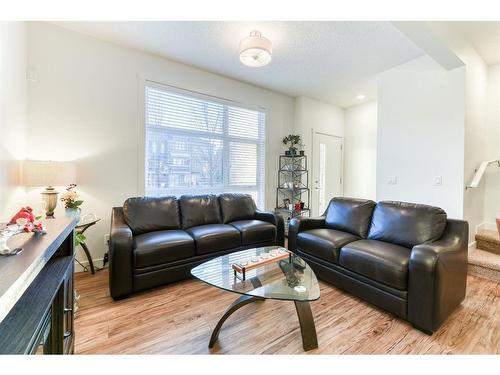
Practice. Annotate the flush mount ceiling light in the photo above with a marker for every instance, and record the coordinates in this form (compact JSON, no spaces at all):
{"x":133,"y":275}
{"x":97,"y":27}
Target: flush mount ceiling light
{"x":255,"y":50}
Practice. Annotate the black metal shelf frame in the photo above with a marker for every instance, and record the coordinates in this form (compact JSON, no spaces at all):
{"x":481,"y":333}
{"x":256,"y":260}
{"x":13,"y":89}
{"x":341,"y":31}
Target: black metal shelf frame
{"x":293,"y":184}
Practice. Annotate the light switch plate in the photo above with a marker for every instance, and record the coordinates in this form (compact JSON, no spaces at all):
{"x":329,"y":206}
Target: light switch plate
{"x":31,"y":74}
{"x":392,"y":180}
{"x":438,"y":181}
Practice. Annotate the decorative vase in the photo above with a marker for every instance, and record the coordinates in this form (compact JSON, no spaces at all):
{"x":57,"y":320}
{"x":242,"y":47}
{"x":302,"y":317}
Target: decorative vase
{"x":73,"y":212}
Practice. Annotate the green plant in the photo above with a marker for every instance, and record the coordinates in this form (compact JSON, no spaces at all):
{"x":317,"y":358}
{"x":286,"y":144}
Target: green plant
{"x":292,"y":140}
{"x":79,"y":239}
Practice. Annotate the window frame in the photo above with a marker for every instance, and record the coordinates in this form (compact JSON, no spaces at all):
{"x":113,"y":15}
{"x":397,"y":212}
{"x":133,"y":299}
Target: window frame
{"x":262,"y":151}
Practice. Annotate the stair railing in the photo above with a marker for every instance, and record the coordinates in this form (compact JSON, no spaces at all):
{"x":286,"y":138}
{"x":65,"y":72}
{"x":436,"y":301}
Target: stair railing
{"x":480,"y":172}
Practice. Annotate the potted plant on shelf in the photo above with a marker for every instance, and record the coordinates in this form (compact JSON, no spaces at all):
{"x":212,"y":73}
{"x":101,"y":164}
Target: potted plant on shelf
{"x":291,"y":140}
{"x":71,"y":202}
{"x":301,"y":149}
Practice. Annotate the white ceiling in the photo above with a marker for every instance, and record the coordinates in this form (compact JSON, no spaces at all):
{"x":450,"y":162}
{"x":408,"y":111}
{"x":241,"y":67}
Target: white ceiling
{"x":484,"y":36}
{"x":329,"y":61}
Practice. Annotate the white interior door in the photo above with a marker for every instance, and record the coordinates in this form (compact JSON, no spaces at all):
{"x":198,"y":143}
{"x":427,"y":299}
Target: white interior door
{"x":326,"y":171}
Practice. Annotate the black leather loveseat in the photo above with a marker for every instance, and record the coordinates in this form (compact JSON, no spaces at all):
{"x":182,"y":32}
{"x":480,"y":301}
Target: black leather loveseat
{"x":154,"y":241}
{"x":406,"y":258}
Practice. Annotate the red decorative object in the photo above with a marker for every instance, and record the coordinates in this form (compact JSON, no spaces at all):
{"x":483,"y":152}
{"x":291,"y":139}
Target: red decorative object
{"x":24,"y":213}
{"x":297,"y":206}
{"x":30,"y":226}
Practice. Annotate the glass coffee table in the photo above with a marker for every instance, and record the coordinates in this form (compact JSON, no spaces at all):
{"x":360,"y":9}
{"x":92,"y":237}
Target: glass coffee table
{"x":289,"y":279}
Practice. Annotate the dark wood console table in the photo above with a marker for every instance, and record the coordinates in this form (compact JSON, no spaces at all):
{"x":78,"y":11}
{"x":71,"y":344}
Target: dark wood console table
{"x":36,"y":292}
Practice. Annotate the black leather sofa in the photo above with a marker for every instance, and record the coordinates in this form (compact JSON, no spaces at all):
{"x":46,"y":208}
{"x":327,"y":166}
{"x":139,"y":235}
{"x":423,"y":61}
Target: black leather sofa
{"x":154,"y":241}
{"x":406,"y":258}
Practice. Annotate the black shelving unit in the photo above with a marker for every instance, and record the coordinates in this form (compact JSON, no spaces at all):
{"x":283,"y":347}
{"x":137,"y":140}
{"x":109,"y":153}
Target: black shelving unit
{"x":293,"y":184}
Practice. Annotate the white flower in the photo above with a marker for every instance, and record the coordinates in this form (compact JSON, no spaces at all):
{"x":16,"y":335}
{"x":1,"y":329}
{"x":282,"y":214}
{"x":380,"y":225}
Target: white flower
{"x":69,"y":196}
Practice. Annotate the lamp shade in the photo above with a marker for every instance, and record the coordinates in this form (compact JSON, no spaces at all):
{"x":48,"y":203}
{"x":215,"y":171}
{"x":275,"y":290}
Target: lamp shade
{"x":255,"y":50}
{"x":48,"y":173}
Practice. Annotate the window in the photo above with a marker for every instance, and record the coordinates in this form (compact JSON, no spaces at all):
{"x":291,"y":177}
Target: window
{"x":206,"y":145}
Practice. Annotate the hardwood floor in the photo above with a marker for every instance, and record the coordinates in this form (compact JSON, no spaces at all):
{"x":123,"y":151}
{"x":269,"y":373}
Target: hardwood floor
{"x":179,"y":318}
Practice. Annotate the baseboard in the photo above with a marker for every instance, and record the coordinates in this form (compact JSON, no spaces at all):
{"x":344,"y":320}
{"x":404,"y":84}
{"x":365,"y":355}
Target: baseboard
{"x":97,"y":262}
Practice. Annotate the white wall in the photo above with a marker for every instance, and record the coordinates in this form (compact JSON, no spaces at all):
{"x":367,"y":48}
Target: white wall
{"x":476,"y":141}
{"x":475,"y":136}
{"x":312,"y":114}
{"x":360,"y":151}
{"x":13,"y":90}
{"x":491,"y":181}
{"x":84,"y":107}
{"x":420,"y":136}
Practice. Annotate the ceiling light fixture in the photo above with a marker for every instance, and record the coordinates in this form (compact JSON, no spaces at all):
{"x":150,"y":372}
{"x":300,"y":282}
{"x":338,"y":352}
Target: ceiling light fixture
{"x":360,"y":97}
{"x":255,"y":50}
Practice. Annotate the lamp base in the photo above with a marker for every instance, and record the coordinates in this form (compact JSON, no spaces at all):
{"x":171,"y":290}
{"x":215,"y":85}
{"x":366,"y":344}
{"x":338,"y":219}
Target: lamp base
{"x":49,"y":196}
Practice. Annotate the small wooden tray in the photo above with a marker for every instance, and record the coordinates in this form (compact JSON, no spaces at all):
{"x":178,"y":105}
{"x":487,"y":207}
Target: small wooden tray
{"x":261,"y":262}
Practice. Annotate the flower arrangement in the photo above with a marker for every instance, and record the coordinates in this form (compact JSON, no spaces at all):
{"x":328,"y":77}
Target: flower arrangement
{"x":34,"y":227}
{"x":70,"y":198}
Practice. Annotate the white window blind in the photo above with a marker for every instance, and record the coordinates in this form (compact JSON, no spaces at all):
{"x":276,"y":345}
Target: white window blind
{"x":198,"y":145}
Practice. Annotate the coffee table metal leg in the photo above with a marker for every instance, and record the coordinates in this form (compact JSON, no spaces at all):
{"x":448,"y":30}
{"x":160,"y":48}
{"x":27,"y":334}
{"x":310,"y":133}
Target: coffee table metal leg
{"x":240,"y":302}
{"x":307,"y":327}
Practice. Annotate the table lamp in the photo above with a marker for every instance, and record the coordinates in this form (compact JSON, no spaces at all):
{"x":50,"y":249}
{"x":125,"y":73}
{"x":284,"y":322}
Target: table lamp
{"x":37,"y":173}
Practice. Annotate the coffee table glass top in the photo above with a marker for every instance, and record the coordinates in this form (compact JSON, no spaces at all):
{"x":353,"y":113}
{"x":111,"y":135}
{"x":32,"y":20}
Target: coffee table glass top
{"x":287,"y":279}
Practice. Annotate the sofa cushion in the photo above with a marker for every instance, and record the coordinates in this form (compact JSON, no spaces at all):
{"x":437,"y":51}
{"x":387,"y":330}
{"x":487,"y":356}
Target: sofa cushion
{"x":324,"y":243}
{"x":380,"y":261}
{"x":214,"y":237}
{"x":350,"y":215}
{"x":406,"y":224}
{"x":151,"y":249}
{"x":254,"y":231}
{"x":147,"y":214}
{"x":199,"y":210}
{"x":236,"y":207}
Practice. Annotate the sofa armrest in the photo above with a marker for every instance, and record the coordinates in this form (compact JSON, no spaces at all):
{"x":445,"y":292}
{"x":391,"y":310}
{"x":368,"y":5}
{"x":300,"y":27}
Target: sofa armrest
{"x":121,"y":242}
{"x":438,"y":277}
{"x":276,"y":220}
{"x":300,"y":224}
